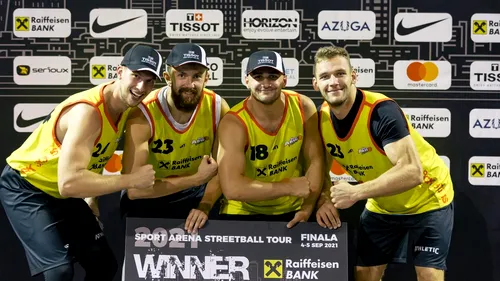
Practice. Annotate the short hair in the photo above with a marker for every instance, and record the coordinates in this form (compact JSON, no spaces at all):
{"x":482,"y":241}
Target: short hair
{"x":329,"y":52}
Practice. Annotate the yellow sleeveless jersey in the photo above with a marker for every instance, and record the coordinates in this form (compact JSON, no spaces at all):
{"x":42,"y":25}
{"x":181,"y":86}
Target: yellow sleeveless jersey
{"x":364,"y":160}
{"x":271,"y":157}
{"x":177,"y":149}
{"x":38,"y":157}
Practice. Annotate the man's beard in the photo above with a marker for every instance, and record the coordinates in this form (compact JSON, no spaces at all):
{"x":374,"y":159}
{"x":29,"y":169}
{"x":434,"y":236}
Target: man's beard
{"x":183,"y":105}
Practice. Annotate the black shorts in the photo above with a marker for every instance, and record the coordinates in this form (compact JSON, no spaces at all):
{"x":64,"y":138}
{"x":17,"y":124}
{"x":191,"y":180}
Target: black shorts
{"x":174,"y":206}
{"x":52,"y":231}
{"x":425,"y":237}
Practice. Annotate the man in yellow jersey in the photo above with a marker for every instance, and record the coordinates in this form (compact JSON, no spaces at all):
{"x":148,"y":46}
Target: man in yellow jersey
{"x":45,"y":180}
{"x":270,"y":158}
{"x":408,"y":187}
{"x":175,"y":131}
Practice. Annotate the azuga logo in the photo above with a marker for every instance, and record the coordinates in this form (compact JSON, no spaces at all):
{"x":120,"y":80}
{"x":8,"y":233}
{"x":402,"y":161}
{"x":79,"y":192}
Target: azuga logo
{"x":345,"y":26}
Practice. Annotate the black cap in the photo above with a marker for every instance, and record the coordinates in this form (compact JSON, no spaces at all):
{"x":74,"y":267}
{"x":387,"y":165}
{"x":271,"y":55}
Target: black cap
{"x":265,"y":59}
{"x":142,"y":57}
{"x":184,"y":53}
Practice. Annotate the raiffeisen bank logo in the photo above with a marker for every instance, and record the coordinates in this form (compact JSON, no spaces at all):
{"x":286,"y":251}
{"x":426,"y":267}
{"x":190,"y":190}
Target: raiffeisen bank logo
{"x":430,"y":122}
{"x":365,"y":70}
{"x":42,"y":23}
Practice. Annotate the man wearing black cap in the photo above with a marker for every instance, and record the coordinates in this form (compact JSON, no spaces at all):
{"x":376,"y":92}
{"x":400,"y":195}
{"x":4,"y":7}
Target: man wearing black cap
{"x":175,"y":131}
{"x":270,"y":158}
{"x":45,"y":180}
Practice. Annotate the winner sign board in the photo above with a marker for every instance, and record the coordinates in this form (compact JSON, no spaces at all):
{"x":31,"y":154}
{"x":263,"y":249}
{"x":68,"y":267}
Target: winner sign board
{"x":160,"y":249}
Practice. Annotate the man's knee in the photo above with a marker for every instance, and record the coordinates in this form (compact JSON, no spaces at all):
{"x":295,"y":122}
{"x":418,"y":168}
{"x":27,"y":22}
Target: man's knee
{"x":63,"y":272}
{"x":429,"y":274}
{"x":370,"y":273}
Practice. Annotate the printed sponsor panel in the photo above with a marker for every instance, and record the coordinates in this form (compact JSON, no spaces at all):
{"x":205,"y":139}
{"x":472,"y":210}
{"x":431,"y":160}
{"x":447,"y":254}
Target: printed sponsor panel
{"x":484,"y":170}
{"x":346,"y":25}
{"x":430,"y":122}
{"x":42,"y":23}
{"x":484,"y":123}
{"x":422,"y":75}
{"x":423,"y":27}
{"x":42,"y":70}
{"x":118,"y":23}
{"x":28,"y":116}
{"x":485,"y":28}
{"x":195,"y":24}
{"x":103,"y":69}
{"x":485,"y":75}
{"x":215,"y":69}
{"x":365,"y":69}
{"x":267,"y":24}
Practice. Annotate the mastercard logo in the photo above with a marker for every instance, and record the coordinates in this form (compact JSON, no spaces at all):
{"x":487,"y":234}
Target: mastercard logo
{"x":418,"y":71}
{"x":114,"y":164}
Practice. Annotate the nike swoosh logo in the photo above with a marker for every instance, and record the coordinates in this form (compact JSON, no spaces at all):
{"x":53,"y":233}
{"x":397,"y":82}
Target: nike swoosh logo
{"x":401,"y":30}
{"x":23,"y":123}
{"x":97,"y":28}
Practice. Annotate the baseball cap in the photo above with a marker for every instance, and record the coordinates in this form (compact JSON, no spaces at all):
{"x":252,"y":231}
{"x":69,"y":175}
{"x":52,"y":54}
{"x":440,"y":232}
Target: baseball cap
{"x":142,"y":57}
{"x":183,"y":53}
{"x":265,"y":59}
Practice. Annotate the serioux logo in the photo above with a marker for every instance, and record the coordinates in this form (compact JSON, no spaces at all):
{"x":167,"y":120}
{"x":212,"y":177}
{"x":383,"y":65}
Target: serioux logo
{"x":431,"y":75}
{"x":485,"y":75}
{"x":485,"y":28}
{"x":42,"y":23}
{"x":484,"y":170}
{"x":188,"y":267}
{"x":346,"y":25}
{"x":196,"y":24}
{"x":28,"y":116}
{"x":484,"y":123}
{"x":103,"y":69}
{"x":118,"y":23}
{"x":423,"y":27}
{"x":365,"y":70}
{"x":215,"y":70}
{"x":291,"y":71}
{"x":266,"y":24}
{"x":40,"y":70}
{"x":430,"y":122}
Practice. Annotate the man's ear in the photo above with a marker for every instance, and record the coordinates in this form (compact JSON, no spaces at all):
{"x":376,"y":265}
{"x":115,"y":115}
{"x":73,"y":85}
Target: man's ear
{"x":315,"y":84}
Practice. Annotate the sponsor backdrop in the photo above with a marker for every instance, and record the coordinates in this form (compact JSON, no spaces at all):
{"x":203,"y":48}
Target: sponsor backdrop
{"x":440,"y":62}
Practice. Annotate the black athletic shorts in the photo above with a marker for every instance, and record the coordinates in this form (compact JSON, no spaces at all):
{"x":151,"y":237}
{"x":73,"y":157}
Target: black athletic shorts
{"x":52,"y":231}
{"x":391,"y":238}
{"x":173,"y":206}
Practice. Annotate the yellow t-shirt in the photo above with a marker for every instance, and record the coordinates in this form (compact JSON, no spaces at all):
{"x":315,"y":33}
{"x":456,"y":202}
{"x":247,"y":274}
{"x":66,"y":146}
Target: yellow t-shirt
{"x":38,"y":156}
{"x":364,"y":160}
{"x":271,"y":157}
{"x":175,"y":151}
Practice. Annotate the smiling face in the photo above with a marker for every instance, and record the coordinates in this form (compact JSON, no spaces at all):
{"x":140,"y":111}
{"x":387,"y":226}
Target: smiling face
{"x":187,"y":83}
{"x":265,"y":84}
{"x":335,"y":79}
{"x":134,"y":85}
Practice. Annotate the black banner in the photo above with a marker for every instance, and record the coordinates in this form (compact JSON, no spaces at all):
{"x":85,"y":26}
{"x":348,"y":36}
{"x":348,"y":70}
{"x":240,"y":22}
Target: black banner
{"x":160,"y":249}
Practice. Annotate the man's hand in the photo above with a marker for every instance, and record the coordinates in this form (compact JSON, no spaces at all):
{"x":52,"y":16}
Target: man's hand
{"x":92,"y":202}
{"x":300,"y":216}
{"x":342,"y":194}
{"x":144,"y":177}
{"x":328,"y":216}
{"x":207,"y":169}
{"x":299,"y":187}
{"x":195,"y":220}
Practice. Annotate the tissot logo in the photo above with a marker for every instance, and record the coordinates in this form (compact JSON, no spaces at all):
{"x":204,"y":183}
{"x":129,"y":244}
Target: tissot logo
{"x":181,"y":23}
{"x":423,"y":27}
{"x":118,"y":23}
{"x":28,"y":116}
{"x":485,"y":75}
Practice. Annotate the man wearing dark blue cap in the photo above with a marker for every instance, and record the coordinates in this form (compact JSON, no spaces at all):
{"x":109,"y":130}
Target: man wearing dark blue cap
{"x":175,"y":131}
{"x":45,"y":180}
{"x":270,"y":158}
